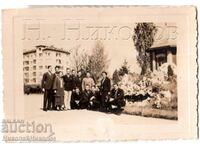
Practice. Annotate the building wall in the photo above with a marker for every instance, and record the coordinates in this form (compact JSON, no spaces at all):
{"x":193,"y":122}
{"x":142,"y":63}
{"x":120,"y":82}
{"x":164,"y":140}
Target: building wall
{"x":36,"y":63}
{"x":168,"y":53}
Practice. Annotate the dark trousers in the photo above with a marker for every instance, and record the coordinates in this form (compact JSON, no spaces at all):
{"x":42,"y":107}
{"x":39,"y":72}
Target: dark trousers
{"x":74,"y":105}
{"x":48,"y":100}
{"x":118,"y":103}
{"x":104,"y":99}
{"x":84,"y":104}
{"x":95,"y":105}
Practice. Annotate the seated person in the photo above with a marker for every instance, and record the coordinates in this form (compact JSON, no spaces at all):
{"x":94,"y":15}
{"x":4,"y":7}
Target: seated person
{"x":95,"y":98}
{"x":85,"y":99}
{"x":116,"y":97}
{"x":76,"y":98}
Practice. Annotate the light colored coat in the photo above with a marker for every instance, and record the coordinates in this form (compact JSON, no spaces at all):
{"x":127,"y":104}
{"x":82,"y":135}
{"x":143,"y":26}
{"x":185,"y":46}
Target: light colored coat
{"x":87,"y":81}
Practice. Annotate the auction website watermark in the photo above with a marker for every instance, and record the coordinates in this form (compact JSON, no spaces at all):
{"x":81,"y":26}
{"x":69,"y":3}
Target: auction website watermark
{"x":27,"y":131}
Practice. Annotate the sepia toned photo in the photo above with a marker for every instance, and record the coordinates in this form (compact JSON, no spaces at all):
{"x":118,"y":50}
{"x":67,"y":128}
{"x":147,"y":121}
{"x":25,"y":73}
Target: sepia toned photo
{"x":99,"y":73}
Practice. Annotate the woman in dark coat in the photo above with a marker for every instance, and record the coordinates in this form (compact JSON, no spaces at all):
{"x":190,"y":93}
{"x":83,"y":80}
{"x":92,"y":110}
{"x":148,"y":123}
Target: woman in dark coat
{"x":58,"y":87}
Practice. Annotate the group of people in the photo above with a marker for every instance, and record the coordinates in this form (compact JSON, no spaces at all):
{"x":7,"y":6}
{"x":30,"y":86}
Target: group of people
{"x":78,"y":90}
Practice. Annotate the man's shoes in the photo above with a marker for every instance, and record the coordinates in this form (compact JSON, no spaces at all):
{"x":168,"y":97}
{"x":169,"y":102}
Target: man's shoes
{"x":44,"y":109}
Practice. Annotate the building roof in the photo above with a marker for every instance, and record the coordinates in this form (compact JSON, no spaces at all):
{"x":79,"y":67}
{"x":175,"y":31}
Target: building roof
{"x":160,"y":47}
{"x":30,"y":51}
{"x":56,"y":50}
{"x":46,"y":48}
{"x":164,"y":43}
{"x":40,"y":46}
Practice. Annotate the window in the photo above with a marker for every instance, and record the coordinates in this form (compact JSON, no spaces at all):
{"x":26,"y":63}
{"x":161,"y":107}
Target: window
{"x":58,"y":61}
{"x":34,"y":80}
{"x":26,"y":80}
{"x":58,"y":54}
{"x":48,"y":53}
{"x":26,"y":62}
{"x":26,"y":75}
{"x":40,"y":67}
{"x":40,"y":54}
{"x":26,"y":68}
{"x":34,"y":73}
{"x":34,"y":61}
{"x":34,"y":67}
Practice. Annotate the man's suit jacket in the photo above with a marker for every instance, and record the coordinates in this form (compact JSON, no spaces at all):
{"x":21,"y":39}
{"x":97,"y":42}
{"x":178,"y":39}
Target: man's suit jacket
{"x":86,"y":95}
{"x":105,"y":85}
{"x":47,"y":81}
{"x":73,"y":82}
{"x":78,"y":82}
{"x":117,"y":94}
{"x":68,"y":85}
{"x":75,"y":96}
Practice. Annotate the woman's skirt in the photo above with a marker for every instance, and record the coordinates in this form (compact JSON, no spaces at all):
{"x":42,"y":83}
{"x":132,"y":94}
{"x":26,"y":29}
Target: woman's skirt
{"x":59,"y":100}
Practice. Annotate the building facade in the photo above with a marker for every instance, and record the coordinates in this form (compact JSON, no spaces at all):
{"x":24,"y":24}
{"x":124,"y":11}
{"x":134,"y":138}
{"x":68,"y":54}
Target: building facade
{"x":164,"y":49}
{"x":36,"y":62}
{"x":161,"y":55}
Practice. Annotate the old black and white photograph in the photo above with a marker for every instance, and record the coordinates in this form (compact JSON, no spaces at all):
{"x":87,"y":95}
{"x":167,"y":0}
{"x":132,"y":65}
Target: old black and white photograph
{"x":102,"y":73}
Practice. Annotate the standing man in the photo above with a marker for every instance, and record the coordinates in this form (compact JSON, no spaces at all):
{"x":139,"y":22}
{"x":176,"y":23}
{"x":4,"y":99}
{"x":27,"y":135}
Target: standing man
{"x":104,"y":90}
{"x":88,"y":80}
{"x":57,"y":71}
{"x":47,"y":83}
{"x":78,"y":80}
{"x":68,"y":87}
{"x":73,"y":76}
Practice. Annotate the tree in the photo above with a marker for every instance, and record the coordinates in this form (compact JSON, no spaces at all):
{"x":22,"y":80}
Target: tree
{"x":115,"y":77}
{"x":79,"y":58}
{"x":143,"y":39}
{"x":124,"y":68}
{"x":98,"y":60}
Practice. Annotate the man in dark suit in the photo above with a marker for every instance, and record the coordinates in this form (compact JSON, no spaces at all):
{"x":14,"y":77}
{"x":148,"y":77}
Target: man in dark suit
{"x":95,"y":99}
{"x":104,"y":91}
{"x":78,"y":80}
{"x":116,"y":98}
{"x":47,"y":83}
{"x":86,"y":95}
{"x":73,"y":76}
{"x":76,"y":98}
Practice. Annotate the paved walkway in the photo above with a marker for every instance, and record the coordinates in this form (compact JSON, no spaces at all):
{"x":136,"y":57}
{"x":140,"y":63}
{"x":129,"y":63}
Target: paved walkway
{"x":74,"y":125}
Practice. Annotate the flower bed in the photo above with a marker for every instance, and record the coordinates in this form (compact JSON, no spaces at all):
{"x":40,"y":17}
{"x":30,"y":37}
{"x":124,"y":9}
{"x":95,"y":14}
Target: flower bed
{"x":154,"y":94}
